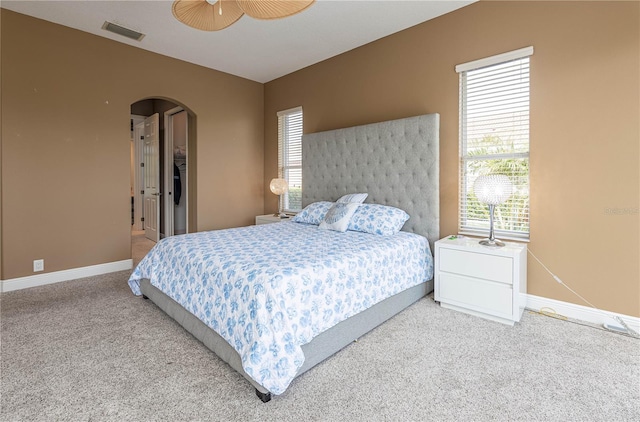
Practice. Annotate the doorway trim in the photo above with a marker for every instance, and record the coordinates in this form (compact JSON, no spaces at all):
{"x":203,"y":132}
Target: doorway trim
{"x":169,"y":215}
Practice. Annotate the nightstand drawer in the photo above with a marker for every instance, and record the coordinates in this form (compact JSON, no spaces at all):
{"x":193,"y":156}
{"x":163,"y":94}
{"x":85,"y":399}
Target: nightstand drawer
{"x":478,"y":265}
{"x":479,"y":295}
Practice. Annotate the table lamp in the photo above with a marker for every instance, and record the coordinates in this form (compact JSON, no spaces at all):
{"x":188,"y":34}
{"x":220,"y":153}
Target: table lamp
{"x":279,"y":187}
{"x":492,"y":189}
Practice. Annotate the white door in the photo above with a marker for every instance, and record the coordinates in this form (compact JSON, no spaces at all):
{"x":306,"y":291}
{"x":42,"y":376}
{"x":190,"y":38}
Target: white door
{"x":138,"y":185}
{"x":152,"y":177}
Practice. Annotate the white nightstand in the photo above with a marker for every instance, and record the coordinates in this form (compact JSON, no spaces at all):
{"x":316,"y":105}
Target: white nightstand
{"x":480,"y":280}
{"x":269,"y":218}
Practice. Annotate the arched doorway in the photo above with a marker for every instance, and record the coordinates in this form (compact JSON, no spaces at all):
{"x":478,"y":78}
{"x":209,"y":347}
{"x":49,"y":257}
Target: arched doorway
{"x":173,"y":164}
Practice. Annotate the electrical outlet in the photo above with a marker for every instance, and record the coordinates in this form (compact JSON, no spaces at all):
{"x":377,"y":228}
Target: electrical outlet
{"x":38,"y":265}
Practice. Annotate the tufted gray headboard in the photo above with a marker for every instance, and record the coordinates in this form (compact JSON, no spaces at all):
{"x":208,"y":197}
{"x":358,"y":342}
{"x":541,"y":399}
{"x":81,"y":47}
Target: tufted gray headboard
{"x":395,"y":162}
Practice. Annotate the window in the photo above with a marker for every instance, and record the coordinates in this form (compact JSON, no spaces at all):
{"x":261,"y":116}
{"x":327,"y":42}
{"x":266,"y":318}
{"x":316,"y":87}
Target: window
{"x":290,"y":157}
{"x":494,"y":139}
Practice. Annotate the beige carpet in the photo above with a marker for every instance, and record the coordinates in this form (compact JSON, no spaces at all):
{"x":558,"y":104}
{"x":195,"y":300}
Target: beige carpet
{"x":88,"y":350}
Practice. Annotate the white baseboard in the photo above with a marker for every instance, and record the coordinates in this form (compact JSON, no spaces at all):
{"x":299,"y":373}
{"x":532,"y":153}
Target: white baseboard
{"x":535,"y":303}
{"x":583,"y":313}
{"x":65,"y":275}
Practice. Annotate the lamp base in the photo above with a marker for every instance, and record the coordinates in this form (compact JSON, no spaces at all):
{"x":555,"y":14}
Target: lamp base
{"x":495,"y":243}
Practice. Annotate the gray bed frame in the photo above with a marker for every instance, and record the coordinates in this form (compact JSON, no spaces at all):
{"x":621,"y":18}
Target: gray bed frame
{"x":396,"y":163}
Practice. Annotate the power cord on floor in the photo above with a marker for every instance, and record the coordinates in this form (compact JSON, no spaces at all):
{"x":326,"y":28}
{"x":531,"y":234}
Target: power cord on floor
{"x":551,"y":313}
{"x":606,"y":327}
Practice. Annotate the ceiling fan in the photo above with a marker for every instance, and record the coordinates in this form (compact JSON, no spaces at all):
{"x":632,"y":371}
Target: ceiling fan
{"x":212,"y":15}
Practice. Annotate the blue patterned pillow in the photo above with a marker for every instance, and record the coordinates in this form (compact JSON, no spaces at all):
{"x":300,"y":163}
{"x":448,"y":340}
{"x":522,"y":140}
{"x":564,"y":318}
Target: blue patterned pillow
{"x":378,"y":219}
{"x":357,"y":198}
{"x":339,"y":216}
{"x":313,"y":213}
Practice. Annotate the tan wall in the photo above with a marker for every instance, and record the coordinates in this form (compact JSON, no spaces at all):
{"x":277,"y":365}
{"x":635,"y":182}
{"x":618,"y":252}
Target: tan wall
{"x":1,"y":188}
{"x":66,"y":98}
{"x":584,"y":125}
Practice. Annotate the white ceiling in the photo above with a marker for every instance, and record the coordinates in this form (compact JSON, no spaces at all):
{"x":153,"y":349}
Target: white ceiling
{"x":253,"y":49}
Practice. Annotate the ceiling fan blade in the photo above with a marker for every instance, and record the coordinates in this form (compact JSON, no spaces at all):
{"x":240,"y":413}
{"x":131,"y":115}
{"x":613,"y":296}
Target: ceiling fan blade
{"x":273,"y":9}
{"x":201,"y":15}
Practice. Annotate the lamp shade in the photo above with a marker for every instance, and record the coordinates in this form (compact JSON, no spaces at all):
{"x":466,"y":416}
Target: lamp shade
{"x":493,"y":189}
{"x":279,"y":186}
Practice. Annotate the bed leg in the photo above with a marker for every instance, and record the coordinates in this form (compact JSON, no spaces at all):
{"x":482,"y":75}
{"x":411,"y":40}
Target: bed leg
{"x":145,"y":297}
{"x":265,"y":397}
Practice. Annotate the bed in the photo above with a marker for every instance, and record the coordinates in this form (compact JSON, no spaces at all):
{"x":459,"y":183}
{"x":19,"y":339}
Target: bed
{"x":323,"y":289}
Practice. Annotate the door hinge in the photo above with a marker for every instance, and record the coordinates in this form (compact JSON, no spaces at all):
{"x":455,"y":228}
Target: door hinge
{"x":141,"y":164}
{"x":141,"y":218}
{"x":142,"y":192}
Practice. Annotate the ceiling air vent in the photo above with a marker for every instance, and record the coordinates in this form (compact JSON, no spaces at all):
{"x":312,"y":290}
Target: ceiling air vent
{"x":125,"y":32}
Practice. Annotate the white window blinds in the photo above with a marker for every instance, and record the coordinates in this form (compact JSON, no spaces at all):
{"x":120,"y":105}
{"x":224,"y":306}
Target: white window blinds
{"x":494,"y":139}
{"x":290,"y":157}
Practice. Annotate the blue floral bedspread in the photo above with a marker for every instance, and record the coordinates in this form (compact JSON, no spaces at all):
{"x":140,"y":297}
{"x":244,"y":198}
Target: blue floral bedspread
{"x":270,"y":289}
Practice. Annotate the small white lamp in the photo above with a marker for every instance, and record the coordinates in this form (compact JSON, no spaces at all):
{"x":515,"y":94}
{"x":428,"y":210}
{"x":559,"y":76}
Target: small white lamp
{"x":279,"y":187}
{"x":492,"y":189}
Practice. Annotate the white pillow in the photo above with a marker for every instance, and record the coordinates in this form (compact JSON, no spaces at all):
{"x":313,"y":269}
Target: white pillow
{"x":357,"y":198}
{"x":339,"y":216}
